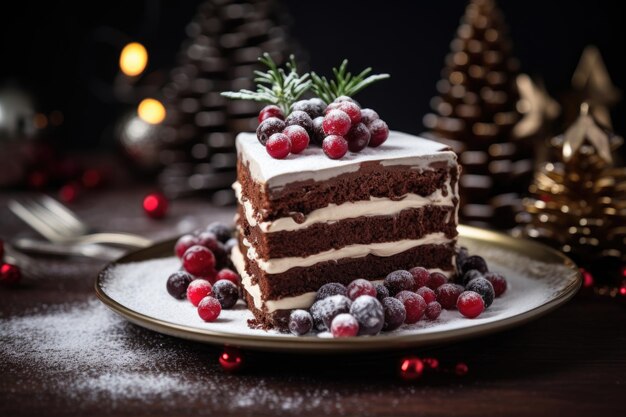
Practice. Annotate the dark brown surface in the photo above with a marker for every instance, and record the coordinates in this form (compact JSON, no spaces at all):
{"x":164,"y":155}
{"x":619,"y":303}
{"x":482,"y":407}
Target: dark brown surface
{"x":571,"y":362}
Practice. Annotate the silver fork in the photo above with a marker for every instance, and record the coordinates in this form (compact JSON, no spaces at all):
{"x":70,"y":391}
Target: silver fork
{"x":59,"y":224}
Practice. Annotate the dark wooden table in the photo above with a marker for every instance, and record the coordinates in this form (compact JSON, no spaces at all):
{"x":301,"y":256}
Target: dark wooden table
{"x":62,"y":353}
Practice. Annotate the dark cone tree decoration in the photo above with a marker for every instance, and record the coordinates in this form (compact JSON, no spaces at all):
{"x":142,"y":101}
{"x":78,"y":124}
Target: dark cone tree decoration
{"x":476,"y":113}
{"x":578,"y":201}
{"x":226,"y":37}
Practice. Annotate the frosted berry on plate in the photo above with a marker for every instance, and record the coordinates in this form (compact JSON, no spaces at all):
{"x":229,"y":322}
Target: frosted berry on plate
{"x":433,"y":310}
{"x":379,"y":132}
{"x":358,"y":137}
{"x":336,"y":122}
{"x":427,"y":294}
{"x":344,"y":325}
{"x":197,"y":290}
{"x":470,"y":304}
{"x":209,"y":309}
{"x":226,"y":293}
{"x":229,"y":275}
{"x":474,"y":262}
{"x":381,"y":292}
{"x":498,"y":281}
{"x":360,"y":287}
{"x":448,"y":294}
{"x":298,"y":137}
{"x":278,"y":146}
{"x":199,"y":261}
{"x":335,"y":146}
{"x":300,"y":322}
{"x":483,"y":287}
{"x":184,"y":243}
{"x":461,"y":256}
{"x":414,"y":305}
{"x":420,"y":275}
{"x":330,"y":289}
{"x":399,"y":280}
{"x":268,"y":127}
{"x":395,"y":313}
{"x":368,"y":311}
{"x":271,"y":111}
{"x":221,"y":231}
{"x":470,"y":275}
{"x":324,"y":311}
{"x":177,"y":284}
{"x":436,"y":280}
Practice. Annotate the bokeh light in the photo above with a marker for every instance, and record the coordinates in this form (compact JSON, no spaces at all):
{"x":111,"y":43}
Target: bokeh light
{"x":133,"y":59}
{"x":151,"y":111}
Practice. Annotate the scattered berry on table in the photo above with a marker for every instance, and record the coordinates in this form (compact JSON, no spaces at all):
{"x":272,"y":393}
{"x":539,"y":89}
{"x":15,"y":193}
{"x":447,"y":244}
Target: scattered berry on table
{"x":358,"y":137}
{"x":298,"y":137}
{"x":317,"y":134}
{"x":498,"y":281}
{"x":414,"y":305}
{"x":177,"y":284}
{"x":223,"y":232}
{"x":300,"y":322}
{"x":199,"y":261}
{"x":461,"y":256}
{"x":330,"y":289}
{"x":433,"y":310}
{"x":474,"y":262}
{"x":336,"y":122}
{"x":395,"y":313}
{"x":300,"y":118}
{"x":271,"y":111}
{"x":420,"y":275}
{"x":197,"y":290}
{"x":436,"y":280}
{"x":427,"y":294}
{"x":379,"y":133}
{"x":360,"y":287}
{"x":483,"y":287}
{"x":448,"y":294}
{"x":470,"y":304}
{"x":368,"y":311}
{"x":228,"y":275}
{"x":470,"y":275}
{"x":268,"y":127}
{"x":9,"y":274}
{"x":226,"y":293}
{"x":399,"y":280}
{"x":334,"y":146}
{"x":344,"y":325}
{"x":184,"y":243}
{"x":368,"y":116}
{"x":325,"y":310}
{"x":278,"y":146}
{"x":381,"y":292}
{"x":209,"y":309}
{"x":352,"y":110}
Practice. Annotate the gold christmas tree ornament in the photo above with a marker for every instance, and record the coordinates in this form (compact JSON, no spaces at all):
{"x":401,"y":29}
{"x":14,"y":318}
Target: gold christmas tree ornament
{"x":538,"y":109}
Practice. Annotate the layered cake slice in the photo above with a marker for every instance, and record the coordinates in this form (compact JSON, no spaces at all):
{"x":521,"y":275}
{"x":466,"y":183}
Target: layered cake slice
{"x":309,"y":220}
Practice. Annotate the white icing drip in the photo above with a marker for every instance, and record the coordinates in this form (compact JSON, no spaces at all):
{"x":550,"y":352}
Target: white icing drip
{"x":279,"y":265}
{"x":375,"y":206}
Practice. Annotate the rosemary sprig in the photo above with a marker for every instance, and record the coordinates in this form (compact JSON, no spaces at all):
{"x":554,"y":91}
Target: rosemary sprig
{"x":276,"y":86}
{"x":344,"y":84}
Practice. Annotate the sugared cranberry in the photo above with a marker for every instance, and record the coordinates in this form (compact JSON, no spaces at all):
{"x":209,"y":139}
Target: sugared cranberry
{"x":470,"y":275}
{"x":325,"y":310}
{"x":427,"y":294}
{"x":230,"y":244}
{"x":400,"y":280}
{"x":395,"y":313}
{"x":498,"y":281}
{"x":177,"y":284}
{"x":352,"y":110}
{"x":461,"y":256}
{"x":420,"y":275}
{"x":228,"y":275}
{"x":368,"y":116}
{"x":436,"y":280}
{"x":344,"y":325}
{"x":360,"y":287}
{"x":300,"y":118}
{"x":433,"y":310}
{"x":484,"y":288}
{"x":319,"y":106}
{"x":341,"y":99}
{"x":318,"y":135}
{"x":311,"y":107}
{"x":330,"y":289}
{"x":278,"y":146}
{"x":470,"y":304}
{"x":222,"y":231}
{"x":209,"y":309}
{"x":334,"y":146}
{"x":358,"y":137}
{"x":300,"y":322}
{"x":208,"y":240}
{"x":184,"y":243}
{"x":9,"y":274}
{"x":226,"y":293}
{"x":448,"y":294}
{"x":268,"y":127}
{"x":368,"y":311}
{"x":197,"y":290}
{"x":199,"y":261}
{"x":271,"y":111}
{"x":331,"y":106}
{"x":474,"y":262}
{"x":379,"y":131}
{"x":381,"y":292}
{"x":336,"y":122}
{"x":414,"y":305}
{"x":298,"y":137}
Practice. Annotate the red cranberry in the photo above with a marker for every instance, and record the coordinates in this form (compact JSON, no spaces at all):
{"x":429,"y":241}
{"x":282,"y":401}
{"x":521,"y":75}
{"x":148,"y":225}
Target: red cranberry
{"x":177,"y":284}
{"x":352,"y":110}
{"x":398,"y":281}
{"x":313,"y":107}
{"x":208,"y":240}
{"x":317,"y":134}
{"x":341,"y":99}
{"x":448,"y":294}
{"x":475,"y":262}
{"x":420,"y":275}
{"x":436,"y":280}
{"x":433,"y":310}
{"x":331,"y":106}
{"x":358,"y":137}
{"x":226,"y":293}
{"x":381,"y":292}
{"x":228,"y":275}
{"x":470,"y":304}
{"x":209,"y":309}
{"x":298,"y":137}
{"x":184,"y":243}
{"x":484,"y":288}
{"x":268,"y":127}
{"x":197,"y":290}
{"x":9,"y":274}
{"x":360,"y":287}
{"x":336,"y":122}
{"x":344,"y":325}
{"x":278,"y":146}
{"x":427,"y":294}
{"x":395,"y":313}
{"x":199,"y":261}
{"x":299,"y":118}
{"x":368,"y":311}
{"x":379,"y":131}
{"x":325,"y":310}
{"x":300,"y":322}
{"x":470,"y":275}
{"x":330,"y":289}
{"x":334,"y":146}
{"x":498,"y":282}
{"x":414,"y":304}
{"x":271,"y":111}
{"x":368,"y":116}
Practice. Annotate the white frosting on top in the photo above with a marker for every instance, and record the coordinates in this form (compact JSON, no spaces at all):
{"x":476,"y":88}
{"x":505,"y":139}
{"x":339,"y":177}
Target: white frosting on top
{"x":313,"y":164}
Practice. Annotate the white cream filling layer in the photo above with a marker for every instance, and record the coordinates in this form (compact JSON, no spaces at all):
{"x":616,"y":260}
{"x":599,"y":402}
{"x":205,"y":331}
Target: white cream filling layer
{"x":375,"y":206}
{"x":279,"y":265}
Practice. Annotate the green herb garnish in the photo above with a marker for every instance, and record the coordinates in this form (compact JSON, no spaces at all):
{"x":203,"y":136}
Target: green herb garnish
{"x":344,"y":84}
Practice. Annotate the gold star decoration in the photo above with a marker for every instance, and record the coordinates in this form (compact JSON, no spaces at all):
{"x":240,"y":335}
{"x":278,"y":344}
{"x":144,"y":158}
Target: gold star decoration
{"x":585,"y":127}
{"x":536,"y":106}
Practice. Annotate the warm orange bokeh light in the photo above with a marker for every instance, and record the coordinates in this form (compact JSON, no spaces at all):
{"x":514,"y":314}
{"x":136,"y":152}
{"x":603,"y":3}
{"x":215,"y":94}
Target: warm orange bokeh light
{"x":133,"y":59}
{"x":151,"y":111}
